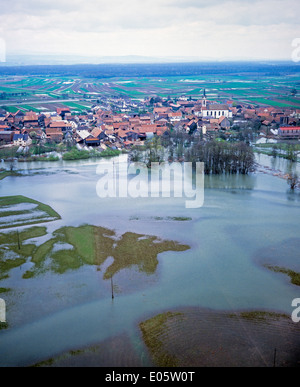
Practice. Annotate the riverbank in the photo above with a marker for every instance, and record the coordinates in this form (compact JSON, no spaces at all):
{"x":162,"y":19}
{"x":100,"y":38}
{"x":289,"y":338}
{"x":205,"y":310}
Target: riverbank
{"x":13,"y":156}
{"x":4,"y":174}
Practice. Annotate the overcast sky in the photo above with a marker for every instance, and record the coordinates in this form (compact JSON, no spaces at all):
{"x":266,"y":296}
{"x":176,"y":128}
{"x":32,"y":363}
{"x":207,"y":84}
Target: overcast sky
{"x":216,"y":29}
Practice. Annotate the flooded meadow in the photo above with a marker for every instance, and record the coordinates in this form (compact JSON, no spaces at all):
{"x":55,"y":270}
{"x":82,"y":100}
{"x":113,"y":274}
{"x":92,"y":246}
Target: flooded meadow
{"x":146,"y":281}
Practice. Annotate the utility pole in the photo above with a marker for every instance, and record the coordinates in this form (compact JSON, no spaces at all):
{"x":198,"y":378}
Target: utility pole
{"x":112,"y":288}
{"x":18,"y":236}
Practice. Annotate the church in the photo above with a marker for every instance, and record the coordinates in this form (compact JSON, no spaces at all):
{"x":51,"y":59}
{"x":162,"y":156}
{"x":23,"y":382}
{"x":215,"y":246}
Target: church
{"x":214,"y":110}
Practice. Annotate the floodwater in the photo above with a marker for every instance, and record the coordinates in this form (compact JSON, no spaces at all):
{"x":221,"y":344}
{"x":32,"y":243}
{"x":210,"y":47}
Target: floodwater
{"x":244,"y":224}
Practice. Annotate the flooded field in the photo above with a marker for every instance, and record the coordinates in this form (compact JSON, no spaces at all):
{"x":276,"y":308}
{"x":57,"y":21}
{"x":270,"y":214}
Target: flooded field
{"x":220,"y":277}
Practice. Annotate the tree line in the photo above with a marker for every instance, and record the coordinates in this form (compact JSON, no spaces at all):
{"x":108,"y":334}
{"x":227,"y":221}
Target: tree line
{"x":222,"y":157}
{"x":218,"y":156}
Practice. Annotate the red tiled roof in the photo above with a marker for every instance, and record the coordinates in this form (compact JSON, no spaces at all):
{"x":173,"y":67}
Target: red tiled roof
{"x":53,"y":131}
{"x":31,"y":117}
{"x":58,"y":124}
{"x":96,"y":132}
{"x":64,"y":109}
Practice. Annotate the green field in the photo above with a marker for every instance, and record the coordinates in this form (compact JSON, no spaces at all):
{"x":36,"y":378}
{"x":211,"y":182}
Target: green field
{"x":20,"y":211}
{"x":254,"y":89}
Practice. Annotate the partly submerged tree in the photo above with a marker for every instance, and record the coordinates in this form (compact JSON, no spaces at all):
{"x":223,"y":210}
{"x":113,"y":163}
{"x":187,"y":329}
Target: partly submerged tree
{"x":291,"y":153}
{"x":292,"y":180}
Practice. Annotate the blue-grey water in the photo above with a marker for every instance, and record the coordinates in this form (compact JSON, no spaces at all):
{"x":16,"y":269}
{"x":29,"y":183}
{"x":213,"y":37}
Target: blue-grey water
{"x":245,"y":223}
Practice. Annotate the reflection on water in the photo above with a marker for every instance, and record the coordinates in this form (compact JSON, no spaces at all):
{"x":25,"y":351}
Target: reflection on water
{"x":278,"y":163}
{"x":292,"y":195}
{"x":231,"y":182}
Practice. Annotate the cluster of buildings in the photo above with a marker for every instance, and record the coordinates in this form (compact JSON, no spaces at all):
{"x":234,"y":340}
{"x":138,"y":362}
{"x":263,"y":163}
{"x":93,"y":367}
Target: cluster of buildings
{"x":102,"y":127}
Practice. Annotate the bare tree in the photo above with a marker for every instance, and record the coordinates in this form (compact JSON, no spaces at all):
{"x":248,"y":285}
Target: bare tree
{"x":293,"y":180}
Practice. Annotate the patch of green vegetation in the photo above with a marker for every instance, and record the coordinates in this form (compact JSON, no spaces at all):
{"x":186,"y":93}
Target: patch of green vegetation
{"x":76,"y":154}
{"x":8,"y":264}
{"x":49,"y":158}
{"x":13,"y":242}
{"x":3,"y":325}
{"x":52,"y":361}
{"x":5,"y":174}
{"x":30,"y":108}
{"x":8,"y":153}
{"x":44,"y":363}
{"x":110,"y":153}
{"x":10,"y":109}
{"x":153,"y":331}
{"x":88,"y":245}
{"x":12,"y":238}
{"x":4,"y":290}
{"x":258,"y":315}
{"x":279,"y":146}
{"x":10,"y":213}
{"x":42,"y":252}
{"x":179,"y":218}
{"x":174,"y":218}
{"x":142,"y":251}
{"x":28,"y":274}
{"x":8,"y":201}
{"x":130,"y":93}
{"x":294,"y":276}
{"x":270,"y":102}
{"x":77,"y":106}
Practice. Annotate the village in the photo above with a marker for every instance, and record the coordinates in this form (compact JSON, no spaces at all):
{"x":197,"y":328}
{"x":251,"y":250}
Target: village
{"x":119,"y":125}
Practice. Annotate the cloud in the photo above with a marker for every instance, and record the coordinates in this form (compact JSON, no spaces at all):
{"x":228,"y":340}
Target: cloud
{"x":151,"y":27}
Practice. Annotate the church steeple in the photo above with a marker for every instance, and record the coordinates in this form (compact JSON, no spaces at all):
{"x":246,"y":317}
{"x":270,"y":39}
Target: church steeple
{"x":204,"y":99}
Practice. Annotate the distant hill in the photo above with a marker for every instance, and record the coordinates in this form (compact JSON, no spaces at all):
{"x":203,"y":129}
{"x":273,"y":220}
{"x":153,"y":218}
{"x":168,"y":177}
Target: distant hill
{"x":159,"y":69}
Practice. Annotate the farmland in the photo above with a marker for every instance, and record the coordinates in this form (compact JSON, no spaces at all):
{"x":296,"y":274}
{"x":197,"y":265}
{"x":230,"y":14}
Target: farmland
{"x":39,"y":92}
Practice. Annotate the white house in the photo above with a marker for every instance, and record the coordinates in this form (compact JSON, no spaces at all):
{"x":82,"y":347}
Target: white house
{"x":22,"y":140}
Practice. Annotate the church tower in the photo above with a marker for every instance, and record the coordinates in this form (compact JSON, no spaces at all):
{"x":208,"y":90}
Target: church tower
{"x":204,"y":99}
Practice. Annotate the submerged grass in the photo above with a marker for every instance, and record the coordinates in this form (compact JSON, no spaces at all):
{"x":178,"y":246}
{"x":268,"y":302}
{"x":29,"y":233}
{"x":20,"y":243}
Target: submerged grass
{"x":12,"y":242}
{"x":258,"y":315}
{"x":180,"y":218}
{"x":4,"y":290}
{"x":142,"y":251}
{"x":3,"y":325}
{"x":154,"y":330}
{"x":89,"y":245}
{"x":7,"y":201}
{"x":294,"y":276}
{"x":7,"y":265}
{"x":174,"y":218}
{"x":11,"y":238}
{"x":5,"y":174}
{"x":199,"y":337}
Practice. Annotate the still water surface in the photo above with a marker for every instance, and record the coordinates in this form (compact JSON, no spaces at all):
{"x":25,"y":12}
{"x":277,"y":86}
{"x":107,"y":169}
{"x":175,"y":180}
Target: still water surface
{"x":245,"y":223}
